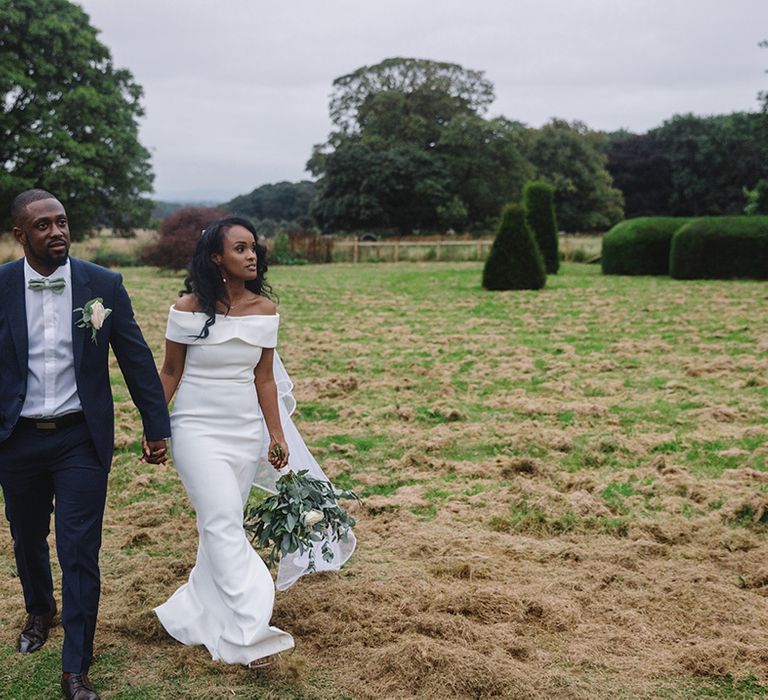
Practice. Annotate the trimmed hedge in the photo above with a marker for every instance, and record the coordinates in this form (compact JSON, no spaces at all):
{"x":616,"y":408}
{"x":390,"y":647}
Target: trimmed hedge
{"x":721,"y":247}
{"x":640,"y":246}
{"x":539,"y":203}
{"x":515,"y":261}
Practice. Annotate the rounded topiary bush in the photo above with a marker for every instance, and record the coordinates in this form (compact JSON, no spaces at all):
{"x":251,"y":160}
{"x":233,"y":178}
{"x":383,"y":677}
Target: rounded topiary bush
{"x":721,"y":247}
{"x":640,"y":246}
{"x":515,"y":261}
{"x":539,"y":203}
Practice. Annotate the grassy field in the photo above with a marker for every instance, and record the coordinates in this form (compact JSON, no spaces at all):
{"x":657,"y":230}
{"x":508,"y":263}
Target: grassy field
{"x":565,"y":496}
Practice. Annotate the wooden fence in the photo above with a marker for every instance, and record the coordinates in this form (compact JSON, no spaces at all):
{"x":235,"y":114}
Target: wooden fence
{"x":397,"y":250}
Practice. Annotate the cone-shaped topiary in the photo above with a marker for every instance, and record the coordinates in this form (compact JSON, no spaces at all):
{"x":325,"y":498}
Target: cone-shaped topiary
{"x":539,"y":203}
{"x":515,"y":261}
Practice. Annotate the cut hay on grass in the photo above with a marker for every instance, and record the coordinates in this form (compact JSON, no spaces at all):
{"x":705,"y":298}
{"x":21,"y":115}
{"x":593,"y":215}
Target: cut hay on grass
{"x":565,"y":495}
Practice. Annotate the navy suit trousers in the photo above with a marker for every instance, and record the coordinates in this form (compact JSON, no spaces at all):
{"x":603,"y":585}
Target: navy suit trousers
{"x":45,"y":471}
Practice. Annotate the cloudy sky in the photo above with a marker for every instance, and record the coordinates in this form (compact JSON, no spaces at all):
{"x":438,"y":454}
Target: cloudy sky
{"x":236,"y":91}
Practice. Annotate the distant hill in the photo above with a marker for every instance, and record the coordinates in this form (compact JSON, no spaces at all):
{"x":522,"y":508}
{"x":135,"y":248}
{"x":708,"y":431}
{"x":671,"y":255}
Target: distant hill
{"x":281,"y":201}
{"x":278,"y":202}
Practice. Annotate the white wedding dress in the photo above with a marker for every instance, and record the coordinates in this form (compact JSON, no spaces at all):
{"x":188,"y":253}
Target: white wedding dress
{"x":219,"y":443}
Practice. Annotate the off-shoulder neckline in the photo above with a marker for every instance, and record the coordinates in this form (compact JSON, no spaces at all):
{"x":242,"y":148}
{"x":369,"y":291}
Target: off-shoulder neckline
{"x":225,"y":316}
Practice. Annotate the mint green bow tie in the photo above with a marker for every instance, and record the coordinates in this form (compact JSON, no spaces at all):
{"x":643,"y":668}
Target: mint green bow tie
{"x":56,"y":285}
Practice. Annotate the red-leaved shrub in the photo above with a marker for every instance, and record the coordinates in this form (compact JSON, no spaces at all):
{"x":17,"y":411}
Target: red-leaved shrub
{"x":178,"y":235}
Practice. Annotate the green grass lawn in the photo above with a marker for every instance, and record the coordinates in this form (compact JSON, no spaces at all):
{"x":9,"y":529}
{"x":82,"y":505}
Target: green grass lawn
{"x":565,"y":495}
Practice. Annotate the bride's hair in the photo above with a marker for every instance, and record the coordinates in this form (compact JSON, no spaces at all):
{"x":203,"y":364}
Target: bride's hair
{"x":204,"y":279}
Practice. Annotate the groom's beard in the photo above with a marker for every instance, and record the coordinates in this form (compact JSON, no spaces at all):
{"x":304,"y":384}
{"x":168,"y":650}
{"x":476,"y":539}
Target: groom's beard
{"x":53,"y":258}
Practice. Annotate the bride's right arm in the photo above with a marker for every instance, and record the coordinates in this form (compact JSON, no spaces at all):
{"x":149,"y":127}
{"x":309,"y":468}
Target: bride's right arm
{"x":173,"y":367}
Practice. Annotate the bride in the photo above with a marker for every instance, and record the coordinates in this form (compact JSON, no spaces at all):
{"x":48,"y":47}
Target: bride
{"x":228,"y":416}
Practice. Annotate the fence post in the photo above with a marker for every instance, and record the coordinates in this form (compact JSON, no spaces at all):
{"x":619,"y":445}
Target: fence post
{"x":437,"y":250}
{"x":397,"y":251}
{"x":356,"y":251}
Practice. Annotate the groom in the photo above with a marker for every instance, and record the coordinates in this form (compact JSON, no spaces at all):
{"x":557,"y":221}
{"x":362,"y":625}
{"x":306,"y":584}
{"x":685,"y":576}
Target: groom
{"x":57,"y":424}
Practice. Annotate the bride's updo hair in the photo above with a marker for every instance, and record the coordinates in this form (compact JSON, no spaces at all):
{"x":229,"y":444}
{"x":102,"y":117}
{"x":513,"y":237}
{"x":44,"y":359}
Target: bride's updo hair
{"x":204,"y":277}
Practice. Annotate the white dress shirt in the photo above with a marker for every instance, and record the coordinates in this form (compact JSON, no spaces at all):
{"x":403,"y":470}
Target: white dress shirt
{"x":51,"y":383}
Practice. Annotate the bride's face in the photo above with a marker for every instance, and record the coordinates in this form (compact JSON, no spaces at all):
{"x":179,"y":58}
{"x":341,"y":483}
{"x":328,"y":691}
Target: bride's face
{"x":238,"y":256}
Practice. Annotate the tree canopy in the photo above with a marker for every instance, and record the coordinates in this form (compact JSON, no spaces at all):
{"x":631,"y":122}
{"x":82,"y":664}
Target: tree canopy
{"x":691,"y":165}
{"x":571,"y":158}
{"x":68,"y":118}
{"x":411,"y":150}
{"x":641,"y":170}
{"x":410,"y":97}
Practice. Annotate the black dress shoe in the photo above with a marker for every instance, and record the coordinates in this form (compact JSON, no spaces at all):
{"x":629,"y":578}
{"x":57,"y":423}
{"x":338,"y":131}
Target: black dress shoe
{"x":35,"y":631}
{"x":76,"y":686}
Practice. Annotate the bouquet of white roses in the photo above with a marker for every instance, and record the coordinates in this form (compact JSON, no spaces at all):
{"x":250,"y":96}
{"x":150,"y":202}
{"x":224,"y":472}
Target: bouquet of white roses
{"x":304,"y":511}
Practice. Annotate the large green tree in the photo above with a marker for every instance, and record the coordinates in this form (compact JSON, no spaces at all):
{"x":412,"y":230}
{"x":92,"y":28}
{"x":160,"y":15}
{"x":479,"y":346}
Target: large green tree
{"x":411,"y":150}
{"x":572,"y":158}
{"x":68,"y":117}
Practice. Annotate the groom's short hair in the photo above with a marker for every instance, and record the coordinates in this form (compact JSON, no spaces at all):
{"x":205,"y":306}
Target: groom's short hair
{"x":22,"y":200}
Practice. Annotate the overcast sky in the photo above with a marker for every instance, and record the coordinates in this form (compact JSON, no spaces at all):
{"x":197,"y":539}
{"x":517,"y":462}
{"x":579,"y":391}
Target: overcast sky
{"x":236,"y":91}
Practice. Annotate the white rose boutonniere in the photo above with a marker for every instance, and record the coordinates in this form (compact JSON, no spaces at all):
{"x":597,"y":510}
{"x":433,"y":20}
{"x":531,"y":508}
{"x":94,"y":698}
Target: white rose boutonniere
{"x":94,"y":315}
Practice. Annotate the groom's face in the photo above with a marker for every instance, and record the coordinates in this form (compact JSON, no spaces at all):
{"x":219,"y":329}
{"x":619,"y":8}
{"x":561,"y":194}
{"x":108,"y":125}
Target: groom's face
{"x":43,"y":231}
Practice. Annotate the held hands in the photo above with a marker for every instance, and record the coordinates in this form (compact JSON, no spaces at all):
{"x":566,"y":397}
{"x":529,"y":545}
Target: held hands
{"x":278,"y":453}
{"x":154,"y":451}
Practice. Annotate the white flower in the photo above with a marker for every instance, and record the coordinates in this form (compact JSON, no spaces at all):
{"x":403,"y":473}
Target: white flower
{"x":313,"y":517}
{"x":98,"y":314}
{"x":93,"y":315}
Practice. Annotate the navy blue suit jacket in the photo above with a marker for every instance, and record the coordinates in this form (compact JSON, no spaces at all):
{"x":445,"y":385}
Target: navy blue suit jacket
{"x":120,"y":330}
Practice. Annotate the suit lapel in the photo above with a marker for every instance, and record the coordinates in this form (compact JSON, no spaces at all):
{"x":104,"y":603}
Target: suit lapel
{"x":16,"y":309}
{"x":81,"y":293}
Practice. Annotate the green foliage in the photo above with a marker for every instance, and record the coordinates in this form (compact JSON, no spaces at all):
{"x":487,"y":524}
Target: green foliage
{"x":483,"y":164}
{"x":410,"y":150}
{"x":282,"y":201}
{"x":453,"y":215}
{"x":640,"y":168}
{"x":69,"y":122}
{"x":282,"y":252}
{"x":282,"y":521}
{"x":721,"y":248}
{"x":515,"y":261}
{"x":757,"y":199}
{"x":571,"y":158}
{"x":691,"y":165}
{"x":407,"y":99}
{"x":539,"y":203}
{"x":363,"y":186}
{"x":640,"y":246}
{"x":177,"y":237}
{"x":712,"y":159}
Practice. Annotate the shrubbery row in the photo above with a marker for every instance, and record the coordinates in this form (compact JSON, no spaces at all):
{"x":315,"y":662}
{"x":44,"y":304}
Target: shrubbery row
{"x":708,"y":247}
